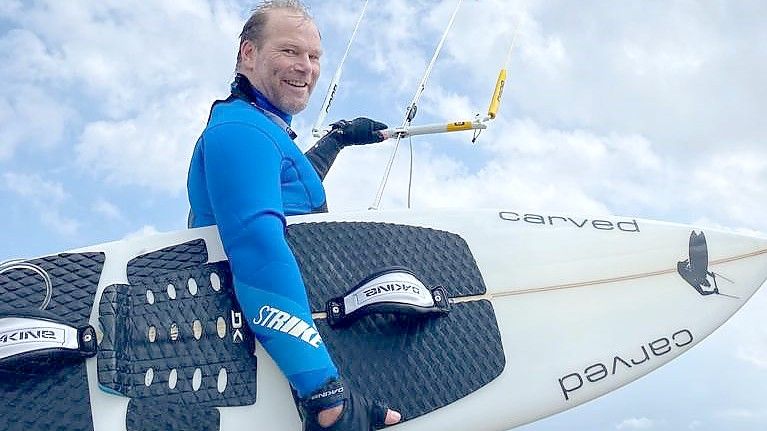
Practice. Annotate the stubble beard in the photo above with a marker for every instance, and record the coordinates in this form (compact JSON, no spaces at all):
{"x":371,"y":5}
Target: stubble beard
{"x":293,"y":108}
{"x":291,"y":104}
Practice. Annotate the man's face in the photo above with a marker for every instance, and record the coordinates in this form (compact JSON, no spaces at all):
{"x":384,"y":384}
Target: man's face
{"x":286,"y":67}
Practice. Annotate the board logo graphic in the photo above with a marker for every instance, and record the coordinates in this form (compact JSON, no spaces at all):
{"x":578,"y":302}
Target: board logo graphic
{"x":32,"y":335}
{"x":384,"y":288}
{"x":622,"y":363}
{"x":577,"y":222}
{"x":328,"y":393}
{"x":278,"y":320}
{"x":237,"y":336}
{"x":695,"y":271}
{"x":16,"y":265}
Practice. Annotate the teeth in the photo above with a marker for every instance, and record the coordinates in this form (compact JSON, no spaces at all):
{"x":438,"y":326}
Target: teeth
{"x":296,"y":83}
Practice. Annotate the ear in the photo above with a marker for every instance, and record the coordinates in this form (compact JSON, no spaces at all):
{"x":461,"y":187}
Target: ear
{"x":248,"y":53}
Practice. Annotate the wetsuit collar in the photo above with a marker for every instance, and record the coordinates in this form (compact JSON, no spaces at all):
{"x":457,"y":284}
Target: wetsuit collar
{"x":242,"y":87}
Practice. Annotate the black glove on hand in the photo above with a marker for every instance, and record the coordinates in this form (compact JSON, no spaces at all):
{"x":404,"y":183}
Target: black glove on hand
{"x":358,"y":413}
{"x":359,"y":131}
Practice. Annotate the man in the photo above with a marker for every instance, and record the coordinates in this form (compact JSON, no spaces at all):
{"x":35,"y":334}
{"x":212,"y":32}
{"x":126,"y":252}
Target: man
{"x":246,"y":175}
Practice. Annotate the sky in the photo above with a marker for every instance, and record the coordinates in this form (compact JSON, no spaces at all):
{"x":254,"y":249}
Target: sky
{"x":649,"y":109}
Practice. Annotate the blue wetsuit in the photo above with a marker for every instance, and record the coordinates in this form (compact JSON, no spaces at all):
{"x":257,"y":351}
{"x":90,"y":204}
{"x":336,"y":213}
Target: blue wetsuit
{"x":245,"y":176}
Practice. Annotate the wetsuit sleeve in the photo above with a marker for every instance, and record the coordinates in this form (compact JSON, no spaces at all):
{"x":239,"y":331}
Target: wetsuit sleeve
{"x":323,"y":154}
{"x":242,"y":168}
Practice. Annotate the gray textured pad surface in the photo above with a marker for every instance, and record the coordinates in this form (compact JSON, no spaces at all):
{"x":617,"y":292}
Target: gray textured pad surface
{"x":419,"y":365}
{"x":74,"y":278}
{"x":147,"y":415}
{"x":56,"y":399}
{"x":179,"y":257}
{"x":334,"y":256}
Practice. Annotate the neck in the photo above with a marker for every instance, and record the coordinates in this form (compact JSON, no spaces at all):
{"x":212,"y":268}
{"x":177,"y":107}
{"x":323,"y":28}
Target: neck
{"x":243,"y":88}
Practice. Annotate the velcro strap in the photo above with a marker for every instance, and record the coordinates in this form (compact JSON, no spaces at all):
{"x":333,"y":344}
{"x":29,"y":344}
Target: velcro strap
{"x":329,"y":395}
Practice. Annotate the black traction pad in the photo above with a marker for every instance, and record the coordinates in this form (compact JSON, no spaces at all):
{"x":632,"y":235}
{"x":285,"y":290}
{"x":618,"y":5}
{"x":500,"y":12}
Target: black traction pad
{"x":149,"y":333}
{"x":416,"y":365}
{"x":333,"y":256}
{"x":57,"y":398}
{"x":148,"y":415}
{"x":419,"y":365}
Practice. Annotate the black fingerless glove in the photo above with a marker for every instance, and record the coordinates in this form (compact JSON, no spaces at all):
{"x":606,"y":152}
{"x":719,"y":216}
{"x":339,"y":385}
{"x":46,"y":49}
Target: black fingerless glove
{"x":358,"y":413}
{"x":359,"y":131}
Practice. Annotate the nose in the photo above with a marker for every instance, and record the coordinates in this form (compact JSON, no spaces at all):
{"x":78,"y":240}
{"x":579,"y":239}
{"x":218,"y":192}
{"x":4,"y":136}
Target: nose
{"x":303,"y":63}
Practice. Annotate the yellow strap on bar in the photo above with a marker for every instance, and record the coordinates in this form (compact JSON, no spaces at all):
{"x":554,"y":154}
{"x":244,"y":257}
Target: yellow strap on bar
{"x":459,"y":125}
{"x":495,"y":102}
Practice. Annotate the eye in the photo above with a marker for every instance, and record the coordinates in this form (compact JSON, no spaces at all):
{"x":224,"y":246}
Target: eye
{"x":289,"y":51}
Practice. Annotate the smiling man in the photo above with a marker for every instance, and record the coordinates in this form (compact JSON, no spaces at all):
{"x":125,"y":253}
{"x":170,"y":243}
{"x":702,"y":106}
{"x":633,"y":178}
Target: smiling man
{"x":247,"y":175}
{"x":280,"y":56}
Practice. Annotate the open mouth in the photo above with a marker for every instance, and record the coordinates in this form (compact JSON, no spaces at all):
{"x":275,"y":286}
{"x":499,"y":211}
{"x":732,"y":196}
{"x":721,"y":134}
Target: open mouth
{"x":296,"y":84}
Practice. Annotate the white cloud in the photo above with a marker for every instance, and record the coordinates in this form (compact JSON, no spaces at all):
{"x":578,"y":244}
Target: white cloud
{"x":120,"y":52}
{"x":391,"y":48}
{"x":145,"y":230}
{"x":448,"y":106}
{"x":142,"y":94}
{"x":23,"y":51}
{"x":145,"y":150}
{"x":9,"y":7}
{"x":683,"y":73}
{"x":531,"y":167}
{"x":54,"y":220}
{"x":754,"y":347}
{"x":32,"y":117}
{"x":732,"y":183}
{"x":46,"y":197}
{"x":31,"y":121}
{"x":636,"y":424}
{"x":107,"y":209}
{"x":742,"y":414}
{"x":35,"y":188}
{"x":695,"y":425}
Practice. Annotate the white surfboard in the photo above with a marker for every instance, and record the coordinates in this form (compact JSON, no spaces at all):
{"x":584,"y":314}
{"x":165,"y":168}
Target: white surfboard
{"x":563,"y":309}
